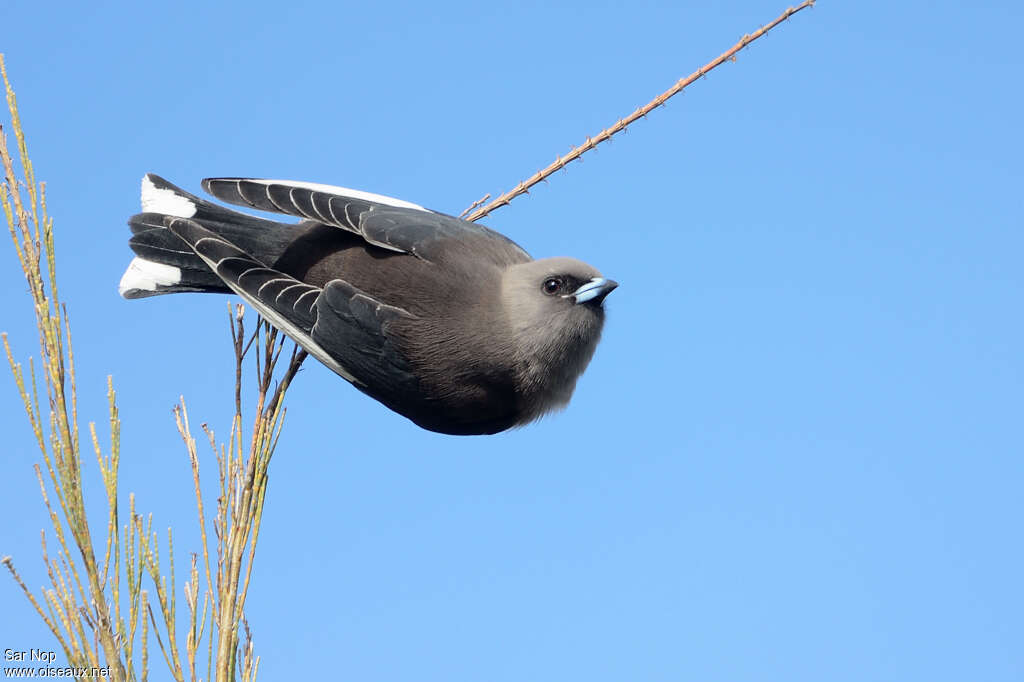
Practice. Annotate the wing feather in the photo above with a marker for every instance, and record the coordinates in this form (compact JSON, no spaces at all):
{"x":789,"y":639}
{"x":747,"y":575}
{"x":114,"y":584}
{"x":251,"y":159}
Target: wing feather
{"x":382,"y":221}
{"x":340,"y":325}
{"x":288,"y":304}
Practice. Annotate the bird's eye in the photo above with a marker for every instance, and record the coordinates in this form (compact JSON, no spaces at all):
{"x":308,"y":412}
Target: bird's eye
{"x":552,"y":285}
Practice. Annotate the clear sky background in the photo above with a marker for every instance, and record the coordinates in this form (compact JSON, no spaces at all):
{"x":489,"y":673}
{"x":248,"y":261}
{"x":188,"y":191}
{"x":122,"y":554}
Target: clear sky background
{"x":797,"y":453}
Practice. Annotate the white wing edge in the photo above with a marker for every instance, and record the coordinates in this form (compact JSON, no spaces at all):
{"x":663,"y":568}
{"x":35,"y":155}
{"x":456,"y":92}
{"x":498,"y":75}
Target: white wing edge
{"x":342,"y":191}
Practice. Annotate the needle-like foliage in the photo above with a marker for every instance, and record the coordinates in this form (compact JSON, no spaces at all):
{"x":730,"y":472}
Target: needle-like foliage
{"x":97,"y":605}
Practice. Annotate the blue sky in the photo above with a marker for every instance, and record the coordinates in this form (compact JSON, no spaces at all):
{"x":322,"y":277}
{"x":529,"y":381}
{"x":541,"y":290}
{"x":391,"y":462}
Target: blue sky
{"x":797,"y":453}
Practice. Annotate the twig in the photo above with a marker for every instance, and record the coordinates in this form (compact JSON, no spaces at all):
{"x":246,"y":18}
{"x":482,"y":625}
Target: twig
{"x":298,"y":357}
{"x":475,"y":204}
{"x":621,"y":125}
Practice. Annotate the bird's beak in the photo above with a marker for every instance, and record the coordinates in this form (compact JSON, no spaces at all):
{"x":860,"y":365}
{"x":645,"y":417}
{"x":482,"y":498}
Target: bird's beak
{"x":595,"y":290}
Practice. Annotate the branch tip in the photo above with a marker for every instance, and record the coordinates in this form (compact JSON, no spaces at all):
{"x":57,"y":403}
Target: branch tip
{"x":621,"y":124}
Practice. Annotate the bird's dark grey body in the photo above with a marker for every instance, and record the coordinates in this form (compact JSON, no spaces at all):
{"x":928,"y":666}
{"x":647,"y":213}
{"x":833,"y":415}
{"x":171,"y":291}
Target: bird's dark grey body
{"x":444,"y":321}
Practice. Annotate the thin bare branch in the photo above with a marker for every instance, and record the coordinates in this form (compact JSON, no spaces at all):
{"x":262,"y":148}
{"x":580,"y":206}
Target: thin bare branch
{"x":298,"y":357}
{"x":606,"y":134}
{"x":475,"y":204}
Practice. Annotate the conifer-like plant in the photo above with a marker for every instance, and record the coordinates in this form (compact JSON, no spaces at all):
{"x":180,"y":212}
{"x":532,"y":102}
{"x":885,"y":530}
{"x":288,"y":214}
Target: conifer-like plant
{"x":103,"y":602}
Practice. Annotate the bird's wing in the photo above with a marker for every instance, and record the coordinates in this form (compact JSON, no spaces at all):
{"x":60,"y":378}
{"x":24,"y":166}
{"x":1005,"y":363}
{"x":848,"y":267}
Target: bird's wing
{"x":354,"y":326}
{"x":385,"y":222}
{"x":339,"y":325}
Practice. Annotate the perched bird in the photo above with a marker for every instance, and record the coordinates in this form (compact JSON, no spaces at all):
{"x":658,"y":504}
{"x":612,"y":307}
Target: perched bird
{"x":442,"y":320}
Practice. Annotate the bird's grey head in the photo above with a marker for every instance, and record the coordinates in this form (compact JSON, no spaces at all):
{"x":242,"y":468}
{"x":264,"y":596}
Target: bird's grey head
{"x":554,"y":308}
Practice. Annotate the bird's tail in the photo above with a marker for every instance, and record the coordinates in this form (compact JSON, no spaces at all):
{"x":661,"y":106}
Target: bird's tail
{"x":164,"y":264}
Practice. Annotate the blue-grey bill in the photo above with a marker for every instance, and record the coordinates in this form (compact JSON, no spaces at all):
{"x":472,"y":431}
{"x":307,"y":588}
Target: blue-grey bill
{"x":597,"y":288}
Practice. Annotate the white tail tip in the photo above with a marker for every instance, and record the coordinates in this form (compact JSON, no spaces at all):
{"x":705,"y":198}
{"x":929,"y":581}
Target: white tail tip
{"x":166,"y":201}
{"x":145,"y":275}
